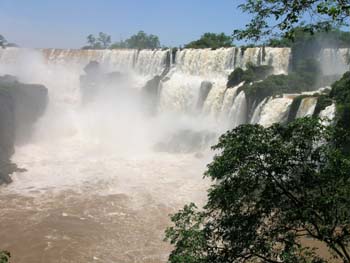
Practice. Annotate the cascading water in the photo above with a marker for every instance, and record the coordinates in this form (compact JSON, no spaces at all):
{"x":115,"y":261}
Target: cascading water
{"x":238,"y":110}
{"x":275,"y":110}
{"x":307,"y":107}
{"x":193,"y":66}
{"x":334,"y":61}
{"x":103,"y":176}
{"x":257,"y":112}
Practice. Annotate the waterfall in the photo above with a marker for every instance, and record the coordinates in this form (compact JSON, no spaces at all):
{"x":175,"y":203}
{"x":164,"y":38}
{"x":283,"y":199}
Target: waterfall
{"x":238,"y":112}
{"x":193,"y":66}
{"x":109,"y":165}
{"x":307,"y":107}
{"x":229,"y":97}
{"x":328,"y":114}
{"x":180,"y":88}
{"x":275,"y":110}
{"x":334,"y":61}
{"x":257,"y":112}
{"x":214,"y":101}
{"x":179,"y":93}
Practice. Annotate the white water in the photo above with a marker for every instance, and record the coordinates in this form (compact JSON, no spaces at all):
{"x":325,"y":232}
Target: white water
{"x":327,"y":115}
{"x":97,"y":163}
{"x":307,"y":107}
{"x":335,"y":61}
{"x":257,"y":112}
{"x":275,"y":110}
{"x":238,"y":110}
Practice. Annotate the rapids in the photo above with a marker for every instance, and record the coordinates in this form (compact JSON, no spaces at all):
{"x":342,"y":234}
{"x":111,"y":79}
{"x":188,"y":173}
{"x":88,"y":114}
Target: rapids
{"x":96,"y":189}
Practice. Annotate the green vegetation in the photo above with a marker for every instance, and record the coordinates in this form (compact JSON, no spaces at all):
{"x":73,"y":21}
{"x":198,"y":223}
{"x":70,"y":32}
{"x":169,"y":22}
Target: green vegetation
{"x":102,"y":41}
{"x":323,"y":101}
{"x":4,"y":256}
{"x":306,"y":45}
{"x":4,"y":43}
{"x":141,"y":40}
{"x":332,"y":38}
{"x":252,"y":73}
{"x":275,"y":187}
{"x":264,"y":198}
{"x":211,"y":40}
{"x":259,"y":85}
{"x":271,"y":17}
{"x":341,"y":94}
{"x":294,"y":107}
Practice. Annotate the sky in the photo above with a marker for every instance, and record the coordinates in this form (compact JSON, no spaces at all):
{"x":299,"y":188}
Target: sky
{"x":66,"y":23}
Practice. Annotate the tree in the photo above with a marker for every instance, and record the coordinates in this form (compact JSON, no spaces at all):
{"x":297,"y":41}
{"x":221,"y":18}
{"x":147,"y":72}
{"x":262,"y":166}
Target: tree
{"x":4,"y":256}
{"x":117,"y":45}
{"x":272,"y":188}
{"x":91,"y":40}
{"x":103,"y":41}
{"x":3,"y":41}
{"x":271,"y":17}
{"x":211,"y":40}
{"x":143,"y":41}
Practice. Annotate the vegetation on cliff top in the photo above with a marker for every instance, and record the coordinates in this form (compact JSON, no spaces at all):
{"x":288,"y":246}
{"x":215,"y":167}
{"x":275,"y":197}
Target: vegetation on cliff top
{"x":141,"y":40}
{"x":211,"y":40}
{"x":4,"y":43}
{"x":259,"y":84}
{"x":341,"y":94}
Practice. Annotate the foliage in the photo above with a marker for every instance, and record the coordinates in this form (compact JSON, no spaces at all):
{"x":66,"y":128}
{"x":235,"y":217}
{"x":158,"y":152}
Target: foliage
{"x":275,"y":85}
{"x":333,"y":38}
{"x":252,"y":73}
{"x":118,"y":45}
{"x":211,"y":40}
{"x":302,"y":79}
{"x":271,"y":188}
{"x":272,"y":17}
{"x":188,"y":236}
{"x":143,"y":41}
{"x":4,"y":256}
{"x":305,"y":45}
{"x":102,"y":41}
{"x":4,"y":43}
{"x":294,"y":107}
{"x":341,"y":94}
{"x":341,"y":89}
{"x":323,"y":101}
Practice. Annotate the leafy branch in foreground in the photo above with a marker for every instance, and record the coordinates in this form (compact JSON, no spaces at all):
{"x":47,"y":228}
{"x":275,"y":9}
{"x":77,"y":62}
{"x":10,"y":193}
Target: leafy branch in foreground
{"x":4,"y":256}
{"x":275,"y":16}
{"x":273,"y":189}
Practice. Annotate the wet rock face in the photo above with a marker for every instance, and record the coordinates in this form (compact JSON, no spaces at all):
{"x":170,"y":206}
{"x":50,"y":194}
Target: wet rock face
{"x":20,"y":107}
{"x":150,"y":95}
{"x":95,"y":82}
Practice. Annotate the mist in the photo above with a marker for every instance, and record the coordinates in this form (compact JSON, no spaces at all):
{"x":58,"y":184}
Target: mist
{"x":124,"y":141}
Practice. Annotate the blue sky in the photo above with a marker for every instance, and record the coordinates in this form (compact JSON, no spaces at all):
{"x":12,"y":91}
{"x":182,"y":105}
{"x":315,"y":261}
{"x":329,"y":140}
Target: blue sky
{"x":66,"y":23}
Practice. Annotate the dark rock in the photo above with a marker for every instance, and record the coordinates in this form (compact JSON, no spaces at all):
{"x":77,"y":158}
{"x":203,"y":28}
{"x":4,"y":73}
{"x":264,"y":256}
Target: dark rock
{"x":92,"y":68}
{"x":20,"y":107}
{"x":150,"y":95}
{"x":203,"y":93}
{"x":95,"y":82}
